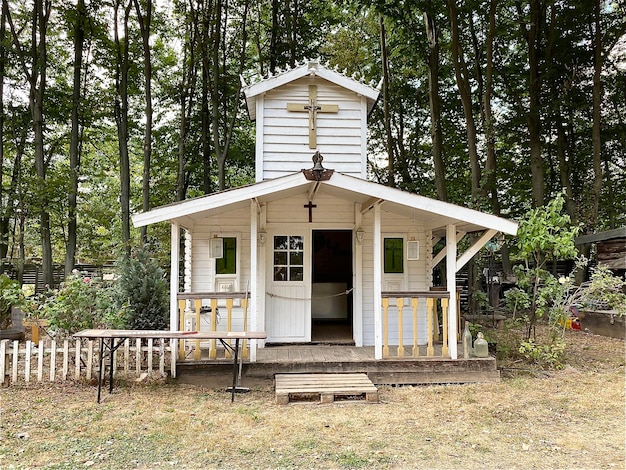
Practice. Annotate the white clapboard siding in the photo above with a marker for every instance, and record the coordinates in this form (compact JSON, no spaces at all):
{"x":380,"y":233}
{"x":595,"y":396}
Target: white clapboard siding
{"x":78,"y":360}
{"x":285,"y":134}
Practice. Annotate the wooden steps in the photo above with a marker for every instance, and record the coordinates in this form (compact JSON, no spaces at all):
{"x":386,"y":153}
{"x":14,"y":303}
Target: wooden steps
{"x":326,"y":386}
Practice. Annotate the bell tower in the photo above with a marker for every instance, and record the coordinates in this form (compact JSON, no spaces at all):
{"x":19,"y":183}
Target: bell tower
{"x":307,"y":109}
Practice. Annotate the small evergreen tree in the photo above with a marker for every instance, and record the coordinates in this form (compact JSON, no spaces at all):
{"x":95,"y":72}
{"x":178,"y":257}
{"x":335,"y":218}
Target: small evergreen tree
{"x":142,"y":292}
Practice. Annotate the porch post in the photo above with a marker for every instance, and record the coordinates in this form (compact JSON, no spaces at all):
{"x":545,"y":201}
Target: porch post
{"x":174,"y":260}
{"x":451,"y":288}
{"x":378,"y":281}
{"x":254,"y":274}
{"x":357,"y":284}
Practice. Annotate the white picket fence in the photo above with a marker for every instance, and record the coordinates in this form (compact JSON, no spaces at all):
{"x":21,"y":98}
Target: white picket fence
{"x":79,"y":359}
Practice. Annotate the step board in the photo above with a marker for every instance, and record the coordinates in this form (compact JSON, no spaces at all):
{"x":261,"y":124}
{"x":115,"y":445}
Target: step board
{"x":326,"y":386}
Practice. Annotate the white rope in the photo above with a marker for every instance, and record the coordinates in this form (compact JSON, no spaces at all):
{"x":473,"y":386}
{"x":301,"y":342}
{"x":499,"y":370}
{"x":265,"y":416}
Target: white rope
{"x":338,"y":294}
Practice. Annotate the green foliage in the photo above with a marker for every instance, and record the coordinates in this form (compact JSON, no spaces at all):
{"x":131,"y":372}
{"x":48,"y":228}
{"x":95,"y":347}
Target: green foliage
{"x":603,"y":291}
{"x":10,"y":295}
{"x":546,"y":355}
{"x":547,"y":233}
{"x":80,"y":303}
{"x":516,"y":299}
{"x":142,"y":292}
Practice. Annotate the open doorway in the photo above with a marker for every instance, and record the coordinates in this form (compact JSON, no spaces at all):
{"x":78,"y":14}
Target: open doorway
{"x":331,"y":306}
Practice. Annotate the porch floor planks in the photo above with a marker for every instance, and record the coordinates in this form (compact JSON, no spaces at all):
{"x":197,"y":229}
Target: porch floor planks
{"x":327,"y":386}
{"x":326,"y":353}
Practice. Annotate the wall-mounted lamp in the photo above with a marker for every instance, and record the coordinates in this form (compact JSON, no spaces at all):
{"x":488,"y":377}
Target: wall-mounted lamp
{"x":216,"y":247}
{"x":359,"y":235}
{"x":262,"y":236}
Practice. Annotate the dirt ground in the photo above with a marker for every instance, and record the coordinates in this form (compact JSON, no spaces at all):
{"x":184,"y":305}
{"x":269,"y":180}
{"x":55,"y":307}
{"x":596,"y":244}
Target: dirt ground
{"x":570,"y":418}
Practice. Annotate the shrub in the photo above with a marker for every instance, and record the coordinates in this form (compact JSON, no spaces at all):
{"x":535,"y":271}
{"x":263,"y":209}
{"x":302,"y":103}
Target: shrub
{"x":80,"y":303}
{"x":142,"y":293}
{"x":546,"y":355}
{"x":11,"y":295}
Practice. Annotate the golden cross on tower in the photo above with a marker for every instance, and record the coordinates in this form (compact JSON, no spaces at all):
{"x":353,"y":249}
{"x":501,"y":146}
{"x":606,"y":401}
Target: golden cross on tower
{"x":313,"y":108}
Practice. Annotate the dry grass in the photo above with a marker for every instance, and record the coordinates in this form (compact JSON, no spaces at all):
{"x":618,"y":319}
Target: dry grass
{"x":572,"y":418}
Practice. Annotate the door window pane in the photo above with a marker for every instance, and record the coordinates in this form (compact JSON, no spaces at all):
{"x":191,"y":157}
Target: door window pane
{"x":394,"y":255}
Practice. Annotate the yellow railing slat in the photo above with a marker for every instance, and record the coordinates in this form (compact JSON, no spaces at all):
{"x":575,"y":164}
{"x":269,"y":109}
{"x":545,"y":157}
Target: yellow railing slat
{"x":229,"y":323}
{"x":197,"y":353}
{"x":400,"y":304}
{"x":213,"y":347}
{"x":182,"y":304}
{"x":430,"y":312}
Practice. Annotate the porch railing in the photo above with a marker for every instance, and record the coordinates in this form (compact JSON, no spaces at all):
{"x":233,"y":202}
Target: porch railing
{"x":218,"y":302}
{"x":416,"y":304}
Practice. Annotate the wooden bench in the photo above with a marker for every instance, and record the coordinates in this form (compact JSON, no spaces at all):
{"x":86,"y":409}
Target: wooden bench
{"x":326,"y":386}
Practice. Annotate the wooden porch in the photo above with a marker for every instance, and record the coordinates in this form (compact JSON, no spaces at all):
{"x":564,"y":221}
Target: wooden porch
{"x":312,"y":359}
{"x":404,"y":360}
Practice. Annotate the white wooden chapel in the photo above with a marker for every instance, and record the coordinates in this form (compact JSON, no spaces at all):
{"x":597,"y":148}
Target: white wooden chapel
{"x":312,"y":240}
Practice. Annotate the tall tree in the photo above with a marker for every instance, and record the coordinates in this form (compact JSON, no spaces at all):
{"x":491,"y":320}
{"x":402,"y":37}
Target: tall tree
{"x":5,"y":212}
{"x":391,"y":177}
{"x":75,"y":142}
{"x":145,"y":22}
{"x":464,"y":85}
{"x":36,"y":78}
{"x":597,"y":116}
{"x":435,"y":106}
{"x":122,"y":66}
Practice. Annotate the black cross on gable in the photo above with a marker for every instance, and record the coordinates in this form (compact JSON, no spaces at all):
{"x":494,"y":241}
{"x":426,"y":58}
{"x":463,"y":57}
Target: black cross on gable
{"x":310,"y":206}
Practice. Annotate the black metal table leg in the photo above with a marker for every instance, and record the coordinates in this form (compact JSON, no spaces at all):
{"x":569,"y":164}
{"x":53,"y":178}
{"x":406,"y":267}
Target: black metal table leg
{"x":100,"y":368}
{"x":111,"y":351}
{"x":232,"y":395}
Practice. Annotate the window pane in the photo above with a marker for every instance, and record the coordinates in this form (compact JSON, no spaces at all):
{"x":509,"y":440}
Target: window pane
{"x":296,"y":274}
{"x":280,"y":243}
{"x":280,"y":273}
{"x":228,"y":263}
{"x":296,"y":243}
{"x":394,"y":255}
{"x":296,"y":258}
{"x":280,"y":258}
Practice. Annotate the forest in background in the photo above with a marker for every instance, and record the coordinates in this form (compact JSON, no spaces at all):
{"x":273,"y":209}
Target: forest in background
{"x":115,"y":107}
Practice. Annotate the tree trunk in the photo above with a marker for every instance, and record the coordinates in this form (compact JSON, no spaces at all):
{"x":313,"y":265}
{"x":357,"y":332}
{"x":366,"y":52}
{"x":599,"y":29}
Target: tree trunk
{"x":387,"y":113}
{"x":186,"y":105}
{"x":145,"y":21}
{"x":435,"y":107}
{"x":36,"y":78}
{"x":5,"y":212}
{"x":79,"y":39}
{"x":533,"y":118}
{"x":595,"y":135}
{"x":121,"y":118}
{"x":274,"y":36}
{"x":462,"y":80}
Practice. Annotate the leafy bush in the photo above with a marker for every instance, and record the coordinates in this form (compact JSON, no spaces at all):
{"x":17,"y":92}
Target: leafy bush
{"x":549,"y":355}
{"x":516,"y":299}
{"x":80,"y":303}
{"x":10,"y":295}
{"x":142,"y":293}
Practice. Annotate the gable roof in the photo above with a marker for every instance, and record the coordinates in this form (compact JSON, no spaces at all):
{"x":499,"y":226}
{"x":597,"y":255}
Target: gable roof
{"x":307,"y":68}
{"x":434,"y":214}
